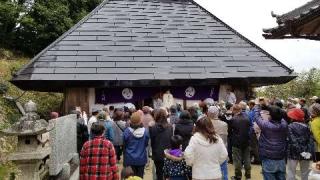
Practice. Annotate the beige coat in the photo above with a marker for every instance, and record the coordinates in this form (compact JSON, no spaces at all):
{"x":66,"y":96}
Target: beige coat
{"x":221,"y":128}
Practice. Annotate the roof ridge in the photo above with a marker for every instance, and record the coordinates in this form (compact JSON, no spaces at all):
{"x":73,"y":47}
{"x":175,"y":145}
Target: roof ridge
{"x":244,"y":38}
{"x":305,"y":7}
{"x":63,"y":36}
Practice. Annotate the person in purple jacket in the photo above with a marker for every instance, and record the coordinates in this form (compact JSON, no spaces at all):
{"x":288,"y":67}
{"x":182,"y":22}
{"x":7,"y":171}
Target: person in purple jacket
{"x":272,"y":142}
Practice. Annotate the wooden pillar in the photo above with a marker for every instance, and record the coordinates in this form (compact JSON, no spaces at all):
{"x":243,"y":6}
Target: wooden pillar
{"x":185,"y":104}
{"x":74,"y":97}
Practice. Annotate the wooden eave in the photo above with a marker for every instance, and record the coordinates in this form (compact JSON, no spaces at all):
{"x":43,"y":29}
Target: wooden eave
{"x":303,"y":22}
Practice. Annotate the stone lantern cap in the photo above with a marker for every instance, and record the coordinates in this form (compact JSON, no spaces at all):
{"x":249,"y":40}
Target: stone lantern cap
{"x":29,"y":124}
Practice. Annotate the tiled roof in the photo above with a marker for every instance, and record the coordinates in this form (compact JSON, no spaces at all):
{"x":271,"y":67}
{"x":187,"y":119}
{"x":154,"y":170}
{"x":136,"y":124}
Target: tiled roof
{"x":291,"y":19}
{"x":299,"y":12}
{"x":136,"y":40}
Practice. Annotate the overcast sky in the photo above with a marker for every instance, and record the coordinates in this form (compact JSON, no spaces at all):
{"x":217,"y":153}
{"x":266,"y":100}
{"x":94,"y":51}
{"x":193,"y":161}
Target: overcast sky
{"x":249,"y":17}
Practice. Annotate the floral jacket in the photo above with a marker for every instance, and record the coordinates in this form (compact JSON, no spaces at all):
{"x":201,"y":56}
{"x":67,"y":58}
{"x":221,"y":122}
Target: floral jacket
{"x":175,"y":166}
{"x":300,"y":141}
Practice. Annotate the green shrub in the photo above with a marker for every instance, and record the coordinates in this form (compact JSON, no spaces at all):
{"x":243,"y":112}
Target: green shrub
{"x":46,"y":102}
{"x":9,"y":113}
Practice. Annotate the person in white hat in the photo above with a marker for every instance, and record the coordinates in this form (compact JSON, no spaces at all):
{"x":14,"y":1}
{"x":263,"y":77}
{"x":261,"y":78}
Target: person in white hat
{"x":296,"y":103}
{"x":231,"y":97}
{"x":93,"y":119}
{"x":313,"y":99}
{"x":209,"y":102}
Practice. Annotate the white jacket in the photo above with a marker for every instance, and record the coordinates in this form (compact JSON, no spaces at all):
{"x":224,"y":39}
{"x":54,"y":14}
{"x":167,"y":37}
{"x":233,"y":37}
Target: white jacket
{"x":92,"y":120}
{"x":204,"y":157}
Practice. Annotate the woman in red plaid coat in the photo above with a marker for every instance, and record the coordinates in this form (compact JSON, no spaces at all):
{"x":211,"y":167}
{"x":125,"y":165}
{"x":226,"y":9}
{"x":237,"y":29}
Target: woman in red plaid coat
{"x":97,"y":157}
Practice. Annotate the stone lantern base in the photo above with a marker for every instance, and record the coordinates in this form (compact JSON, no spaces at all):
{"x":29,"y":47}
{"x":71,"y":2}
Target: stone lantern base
{"x":32,"y":164}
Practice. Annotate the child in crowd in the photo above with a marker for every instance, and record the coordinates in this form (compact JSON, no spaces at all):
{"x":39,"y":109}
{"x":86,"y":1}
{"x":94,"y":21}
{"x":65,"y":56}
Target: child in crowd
{"x":128,"y":174}
{"x":175,"y":167}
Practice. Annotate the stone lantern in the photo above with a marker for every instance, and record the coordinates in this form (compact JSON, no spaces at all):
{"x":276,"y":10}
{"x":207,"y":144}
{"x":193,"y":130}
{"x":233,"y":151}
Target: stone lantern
{"x":33,"y":149}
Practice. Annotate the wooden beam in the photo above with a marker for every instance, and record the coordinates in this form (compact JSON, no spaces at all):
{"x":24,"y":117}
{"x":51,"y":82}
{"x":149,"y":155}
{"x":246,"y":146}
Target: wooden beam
{"x":316,"y":28}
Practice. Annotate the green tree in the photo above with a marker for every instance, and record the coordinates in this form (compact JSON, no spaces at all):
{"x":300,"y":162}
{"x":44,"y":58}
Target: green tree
{"x":43,"y":24}
{"x":9,"y":14}
{"x":306,"y":85}
{"x":79,"y":8}
{"x":29,"y":28}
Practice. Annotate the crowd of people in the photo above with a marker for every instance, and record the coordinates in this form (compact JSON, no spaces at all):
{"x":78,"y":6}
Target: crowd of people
{"x":198,"y":143}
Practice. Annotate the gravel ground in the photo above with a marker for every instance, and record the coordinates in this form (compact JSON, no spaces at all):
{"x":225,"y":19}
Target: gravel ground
{"x":255,"y":172}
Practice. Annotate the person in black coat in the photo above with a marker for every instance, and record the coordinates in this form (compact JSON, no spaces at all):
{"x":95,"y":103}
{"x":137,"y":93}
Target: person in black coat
{"x":194,"y":114}
{"x":82,"y":131}
{"x":160,"y":135}
{"x":225,"y":117}
{"x":240,"y":126}
{"x":184,"y":128}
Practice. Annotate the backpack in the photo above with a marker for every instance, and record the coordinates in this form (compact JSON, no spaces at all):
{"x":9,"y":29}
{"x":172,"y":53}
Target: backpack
{"x":109,"y":134}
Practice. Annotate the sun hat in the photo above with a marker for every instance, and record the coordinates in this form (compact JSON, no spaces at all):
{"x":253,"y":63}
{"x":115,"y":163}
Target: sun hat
{"x":95,"y":110}
{"x":314,"y":97}
{"x":213,"y":110}
{"x":209,"y":101}
{"x":296,"y":100}
{"x":296,"y":115}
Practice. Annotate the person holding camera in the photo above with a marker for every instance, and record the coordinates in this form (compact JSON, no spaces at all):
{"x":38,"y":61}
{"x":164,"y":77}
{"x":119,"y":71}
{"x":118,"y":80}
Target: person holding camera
{"x":272,"y":141}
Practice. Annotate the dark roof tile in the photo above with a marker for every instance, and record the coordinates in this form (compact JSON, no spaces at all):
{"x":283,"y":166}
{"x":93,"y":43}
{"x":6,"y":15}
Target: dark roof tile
{"x":53,"y":77}
{"x":97,"y":77}
{"x":76,"y":70}
{"x":95,"y":64}
{"x":164,"y":59}
{"x":133,"y":64}
{"x":125,"y":40}
{"x":115,"y":70}
{"x":77,"y":58}
{"x":185,"y":59}
{"x":54,"y":64}
{"x":217,"y":75}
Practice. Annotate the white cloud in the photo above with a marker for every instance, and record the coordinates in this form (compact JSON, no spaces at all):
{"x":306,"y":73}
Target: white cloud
{"x":249,"y":17}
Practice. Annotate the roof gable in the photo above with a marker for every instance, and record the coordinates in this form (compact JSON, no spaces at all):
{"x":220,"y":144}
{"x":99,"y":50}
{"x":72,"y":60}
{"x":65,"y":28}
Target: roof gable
{"x":132,"y":40}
